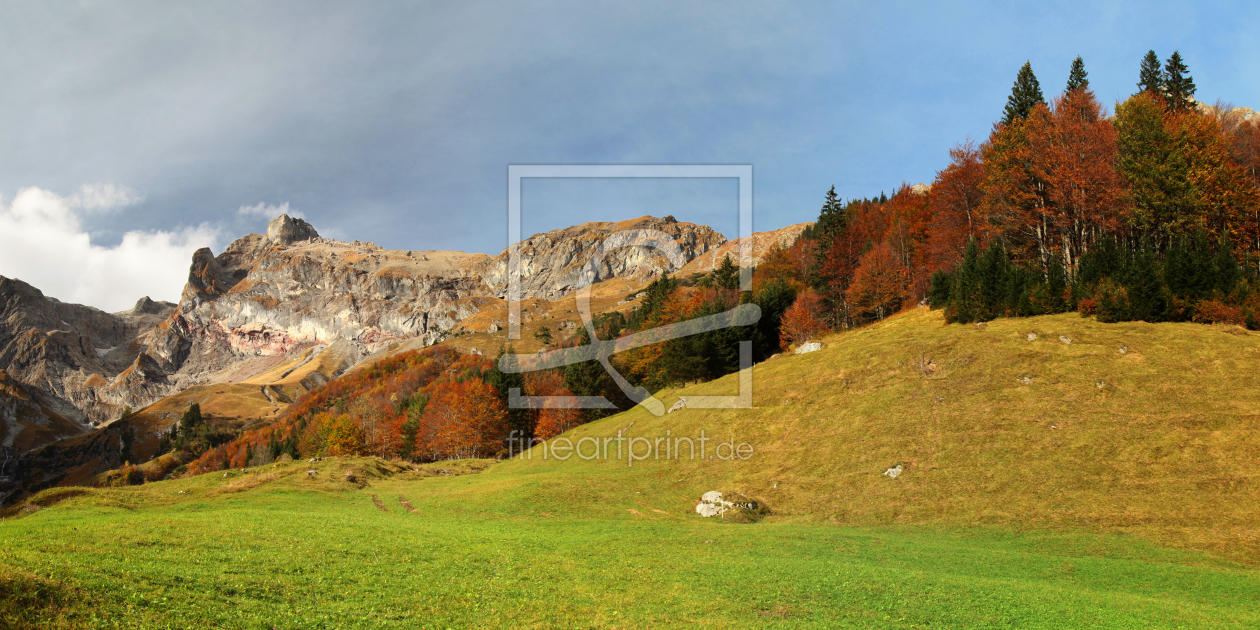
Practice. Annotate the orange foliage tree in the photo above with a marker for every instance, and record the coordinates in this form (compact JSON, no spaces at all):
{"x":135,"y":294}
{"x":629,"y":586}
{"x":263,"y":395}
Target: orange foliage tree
{"x":552,"y":419}
{"x":880,"y":283}
{"x":464,"y":420}
{"x":955,"y":203}
{"x":1073,"y":156}
{"x":806,"y":319}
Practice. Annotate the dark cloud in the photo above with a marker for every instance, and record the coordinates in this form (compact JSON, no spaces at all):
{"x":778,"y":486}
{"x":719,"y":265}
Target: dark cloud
{"x":395,"y":122}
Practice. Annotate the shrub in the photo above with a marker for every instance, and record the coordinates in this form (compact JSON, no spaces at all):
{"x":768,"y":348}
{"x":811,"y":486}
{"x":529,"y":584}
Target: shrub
{"x":1112,"y":302}
{"x":1218,"y":312}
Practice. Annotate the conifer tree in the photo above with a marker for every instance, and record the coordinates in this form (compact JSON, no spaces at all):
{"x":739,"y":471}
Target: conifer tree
{"x":830,"y":218}
{"x":1151,"y":78}
{"x":726,"y":276}
{"x":1078,"y":79}
{"x":1178,"y":84}
{"x":1025,"y":95}
{"x":964,"y":298}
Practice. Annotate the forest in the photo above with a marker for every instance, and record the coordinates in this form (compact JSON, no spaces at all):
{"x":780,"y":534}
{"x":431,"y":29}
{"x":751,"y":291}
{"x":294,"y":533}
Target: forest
{"x":1150,"y":214}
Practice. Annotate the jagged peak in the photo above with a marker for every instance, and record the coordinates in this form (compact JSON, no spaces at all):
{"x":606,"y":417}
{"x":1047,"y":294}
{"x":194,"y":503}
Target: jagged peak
{"x":285,"y":229}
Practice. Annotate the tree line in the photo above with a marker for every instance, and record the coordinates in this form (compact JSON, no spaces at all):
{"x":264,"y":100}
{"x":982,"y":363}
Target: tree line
{"x":1152,"y":214}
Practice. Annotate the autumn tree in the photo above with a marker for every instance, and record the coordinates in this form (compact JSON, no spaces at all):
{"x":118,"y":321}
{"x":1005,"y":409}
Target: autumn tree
{"x":880,"y":283}
{"x":1180,"y":175}
{"x":1073,"y":156}
{"x":554,"y":418}
{"x":1015,"y":201}
{"x":1025,"y":94}
{"x":806,"y":319}
{"x":465,"y":420}
{"x":954,"y":204}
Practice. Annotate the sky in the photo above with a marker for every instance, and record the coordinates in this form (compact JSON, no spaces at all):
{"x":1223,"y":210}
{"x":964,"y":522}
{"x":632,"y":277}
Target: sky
{"x":133,"y":133}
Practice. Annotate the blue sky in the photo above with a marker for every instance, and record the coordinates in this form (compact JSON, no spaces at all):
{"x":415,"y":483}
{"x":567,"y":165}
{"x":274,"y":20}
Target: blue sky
{"x":395,"y":122}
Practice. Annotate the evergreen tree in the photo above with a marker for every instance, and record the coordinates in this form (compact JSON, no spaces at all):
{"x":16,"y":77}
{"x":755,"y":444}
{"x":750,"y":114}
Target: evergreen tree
{"x":774,"y":299}
{"x":1078,"y":78}
{"x":191,"y":418}
{"x":543,"y":335}
{"x":1025,"y":95}
{"x":726,"y":276}
{"x":1178,"y":85}
{"x":938,"y":293}
{"x":1145,"y":291}
{"x":1228,"y":273}
{"x":1190,"y":268}
{"x":831,"y":218}
{"x":1150,"y":78}
{"x":589,"y":378}
{"x":994,"y":282}
{"x":504,"y":382}
{"x":965,"y":302}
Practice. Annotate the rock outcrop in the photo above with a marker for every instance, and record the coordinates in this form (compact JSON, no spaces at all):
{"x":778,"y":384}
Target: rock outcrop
{"x":552,"y":262}
{"x":75,"y":361}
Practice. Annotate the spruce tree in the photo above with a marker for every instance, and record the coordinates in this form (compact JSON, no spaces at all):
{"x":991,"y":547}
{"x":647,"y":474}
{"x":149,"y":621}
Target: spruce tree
{"x":1228,"y":273}
{"x":965,"y":302}
{"x":1178,"y":84}
{"x":1145,"y":291}
{"x":1025,"y":95}
{"x":830,"y":218}
{"x":726,"y":276}
{"x":1151,"y":78}
{"x":1078,"y":79}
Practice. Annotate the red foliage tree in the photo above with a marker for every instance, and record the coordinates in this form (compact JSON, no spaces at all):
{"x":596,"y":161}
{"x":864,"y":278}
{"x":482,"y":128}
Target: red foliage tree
{"x":464,"y":419}
{"x":806,"y":319}
{"x":880,"y":284}
{"x":956,"y":206}
{"x":553,"y":419}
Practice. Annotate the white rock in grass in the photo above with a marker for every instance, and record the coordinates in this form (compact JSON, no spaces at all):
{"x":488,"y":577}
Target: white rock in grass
{"x":809,"y":347}
{"x":1032,"y":336}
{"x":682,"y":402}
{"x":894,"y":472}
{"x":711,"y":504}
{"x":1066,"y":340}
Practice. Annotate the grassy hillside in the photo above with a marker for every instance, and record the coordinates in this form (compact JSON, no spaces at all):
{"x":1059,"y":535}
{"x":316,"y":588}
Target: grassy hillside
{"x":990,"y":427}
{"x":1045,"y":485}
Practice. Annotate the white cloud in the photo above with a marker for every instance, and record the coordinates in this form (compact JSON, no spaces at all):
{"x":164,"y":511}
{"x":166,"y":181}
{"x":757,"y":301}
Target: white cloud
{"x":268,"y":211}
{"x":103,"y":197}
{"x":43,"y":244}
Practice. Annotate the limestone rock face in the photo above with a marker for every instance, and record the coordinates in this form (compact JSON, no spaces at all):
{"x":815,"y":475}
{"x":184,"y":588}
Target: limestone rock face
{"x":762,"y":243}
{"x":552,"y":262}
{"x":70,"y":358}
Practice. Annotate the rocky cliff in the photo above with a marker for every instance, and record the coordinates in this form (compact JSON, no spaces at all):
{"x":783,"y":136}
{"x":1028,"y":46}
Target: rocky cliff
{"x":79,"y":363}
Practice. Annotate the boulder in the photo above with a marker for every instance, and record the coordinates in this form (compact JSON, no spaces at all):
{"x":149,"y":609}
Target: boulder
{"x":808,"y":347}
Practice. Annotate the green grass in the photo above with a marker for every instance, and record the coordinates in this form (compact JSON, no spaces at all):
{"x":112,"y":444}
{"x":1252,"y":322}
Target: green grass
{"x":295,"y":553}
{"x":1109,"y":490}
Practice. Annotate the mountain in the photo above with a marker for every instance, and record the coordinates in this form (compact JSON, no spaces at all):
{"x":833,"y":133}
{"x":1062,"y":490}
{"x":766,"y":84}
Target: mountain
{"x":276,"y":315}
{"x":81,"y":364}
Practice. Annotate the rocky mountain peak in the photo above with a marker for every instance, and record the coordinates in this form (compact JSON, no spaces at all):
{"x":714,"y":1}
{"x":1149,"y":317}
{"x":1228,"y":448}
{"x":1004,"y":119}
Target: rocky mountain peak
{"x":285,"y":230}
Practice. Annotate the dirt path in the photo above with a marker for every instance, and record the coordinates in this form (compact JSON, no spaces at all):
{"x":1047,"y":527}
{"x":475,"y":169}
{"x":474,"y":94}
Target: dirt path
{"x":407,"y":504}
{"x":378,"y":503}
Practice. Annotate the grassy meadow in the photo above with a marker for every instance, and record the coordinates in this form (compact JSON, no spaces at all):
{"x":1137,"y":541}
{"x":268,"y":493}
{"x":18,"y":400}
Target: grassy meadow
{"x":1045,"y":485}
